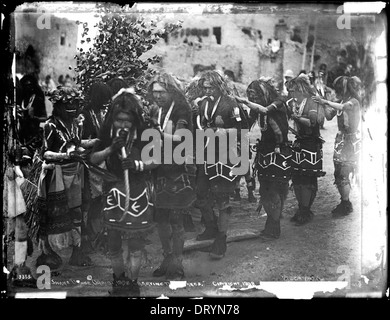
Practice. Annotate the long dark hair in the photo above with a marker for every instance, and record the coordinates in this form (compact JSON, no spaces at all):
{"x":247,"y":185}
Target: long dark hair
{"x":99,"y":95}
{"x":35,"y":85}
{"x":264,"y":92}
{"x":126,"y":102}
{"x":217,"y":80}
{"x":174,"y":87}
{"x":116,"y":84}
{"x":348,"y":87}
{"x":261,"y":92}
{"x":301,"y":84}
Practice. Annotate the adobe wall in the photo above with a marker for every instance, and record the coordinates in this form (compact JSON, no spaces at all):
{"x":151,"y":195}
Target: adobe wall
{"x":239,"y":51}
{"x":54,"y":57}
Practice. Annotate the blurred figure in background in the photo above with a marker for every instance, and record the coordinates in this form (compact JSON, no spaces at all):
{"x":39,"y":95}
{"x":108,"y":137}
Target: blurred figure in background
{"x":68,"y":82}
{"x":338,"y":70}
{"x":289,"y":74}
{"x":32,"y":112}
{"x":116,"y":84}
{"x":15,"y":214}
{"x":312,"y":77}
{"x":48,"y":85}
{"x":323,"y":91}
{"x":61,"y":80}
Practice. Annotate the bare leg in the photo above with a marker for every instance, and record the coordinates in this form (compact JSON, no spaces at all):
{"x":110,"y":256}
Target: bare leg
{"x":135,"y":262}
{"x":164,"y":230}
{"x":344,"y":191}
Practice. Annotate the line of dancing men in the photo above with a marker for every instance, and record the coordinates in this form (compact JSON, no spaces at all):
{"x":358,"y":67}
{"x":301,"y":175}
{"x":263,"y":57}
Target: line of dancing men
{"x":96,"y":186}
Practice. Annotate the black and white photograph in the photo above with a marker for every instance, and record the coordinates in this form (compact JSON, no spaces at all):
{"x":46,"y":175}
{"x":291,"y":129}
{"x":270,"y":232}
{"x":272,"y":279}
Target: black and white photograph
{"x":194,"y":150}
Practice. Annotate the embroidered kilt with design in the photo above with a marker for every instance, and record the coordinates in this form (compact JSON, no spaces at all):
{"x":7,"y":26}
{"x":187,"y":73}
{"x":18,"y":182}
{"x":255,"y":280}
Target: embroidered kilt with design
{"x":346,"y":149}
{"x":307,"y":157}
{"x":271,"y":165}
{"x":220,"y":176}
{"x":225,"y":113}
{"x":139,"y":217}
{"x":59,"y":190}
{"x":175,"y":186}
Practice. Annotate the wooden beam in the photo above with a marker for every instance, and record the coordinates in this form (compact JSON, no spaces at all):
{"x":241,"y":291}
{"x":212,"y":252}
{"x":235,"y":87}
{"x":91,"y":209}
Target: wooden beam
{"x":314,"y":46}
{"x":232,"y":236}
{"x":305,"y":45}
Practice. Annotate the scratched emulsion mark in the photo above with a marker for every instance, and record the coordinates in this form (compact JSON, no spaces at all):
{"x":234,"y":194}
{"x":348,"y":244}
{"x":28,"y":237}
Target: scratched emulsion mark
{"x":41,"y":295}
{"x":374,"y":170}
{"x":293,"y":289}
{"x":174,"y":285}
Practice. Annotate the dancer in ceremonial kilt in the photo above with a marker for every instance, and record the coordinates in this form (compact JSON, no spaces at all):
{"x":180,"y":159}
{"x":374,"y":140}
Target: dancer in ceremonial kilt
{"x":60,"y":183}
{"x":347,"y":141}
{"x":175,"y":183}
{"x":219,"y":112}
{"x":128,"y":201}
{"x":307,"y":148}
{"x":273,"y":153}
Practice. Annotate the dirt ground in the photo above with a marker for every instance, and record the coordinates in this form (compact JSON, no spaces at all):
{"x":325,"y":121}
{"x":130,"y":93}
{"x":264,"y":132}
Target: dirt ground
{"x":321,"y":251}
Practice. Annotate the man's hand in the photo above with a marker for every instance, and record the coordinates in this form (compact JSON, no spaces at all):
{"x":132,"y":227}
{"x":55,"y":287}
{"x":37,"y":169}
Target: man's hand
{"x":128,"y":164}
{"x":131,"y":164}
{"x":118,"y":143}
{"x":31,"y":112}
{"x":77,"y":156}
{"x":318,"y":100}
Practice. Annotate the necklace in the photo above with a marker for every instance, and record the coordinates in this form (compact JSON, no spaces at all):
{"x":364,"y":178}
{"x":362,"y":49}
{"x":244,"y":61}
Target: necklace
{"x":167,"y":116}
{"x":213,"y":111}
{"x":299,"y":109}
{"x":30,"y":102}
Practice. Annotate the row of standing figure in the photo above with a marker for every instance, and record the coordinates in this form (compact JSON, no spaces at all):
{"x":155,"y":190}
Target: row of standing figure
{"x":163,"y":194}
{"x":276,"y":161}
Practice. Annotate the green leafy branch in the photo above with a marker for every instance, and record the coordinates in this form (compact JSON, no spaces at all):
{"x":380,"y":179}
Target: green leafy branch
{"x":117,"y":49}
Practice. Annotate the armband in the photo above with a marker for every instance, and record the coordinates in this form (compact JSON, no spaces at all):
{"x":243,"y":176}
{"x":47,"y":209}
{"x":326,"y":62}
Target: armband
{"x":237,"y":113}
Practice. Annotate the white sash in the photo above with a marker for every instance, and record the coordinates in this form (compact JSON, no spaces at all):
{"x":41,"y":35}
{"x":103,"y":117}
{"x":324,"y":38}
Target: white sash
{"x":30,"y":102}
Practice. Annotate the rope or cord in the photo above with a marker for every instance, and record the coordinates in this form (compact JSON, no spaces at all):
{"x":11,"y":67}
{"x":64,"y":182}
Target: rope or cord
{"x":127,"y":183}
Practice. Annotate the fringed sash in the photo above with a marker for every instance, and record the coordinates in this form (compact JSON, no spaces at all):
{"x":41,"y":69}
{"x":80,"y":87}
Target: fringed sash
{"x":53,"y":203}
{"x":15,"y":201}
